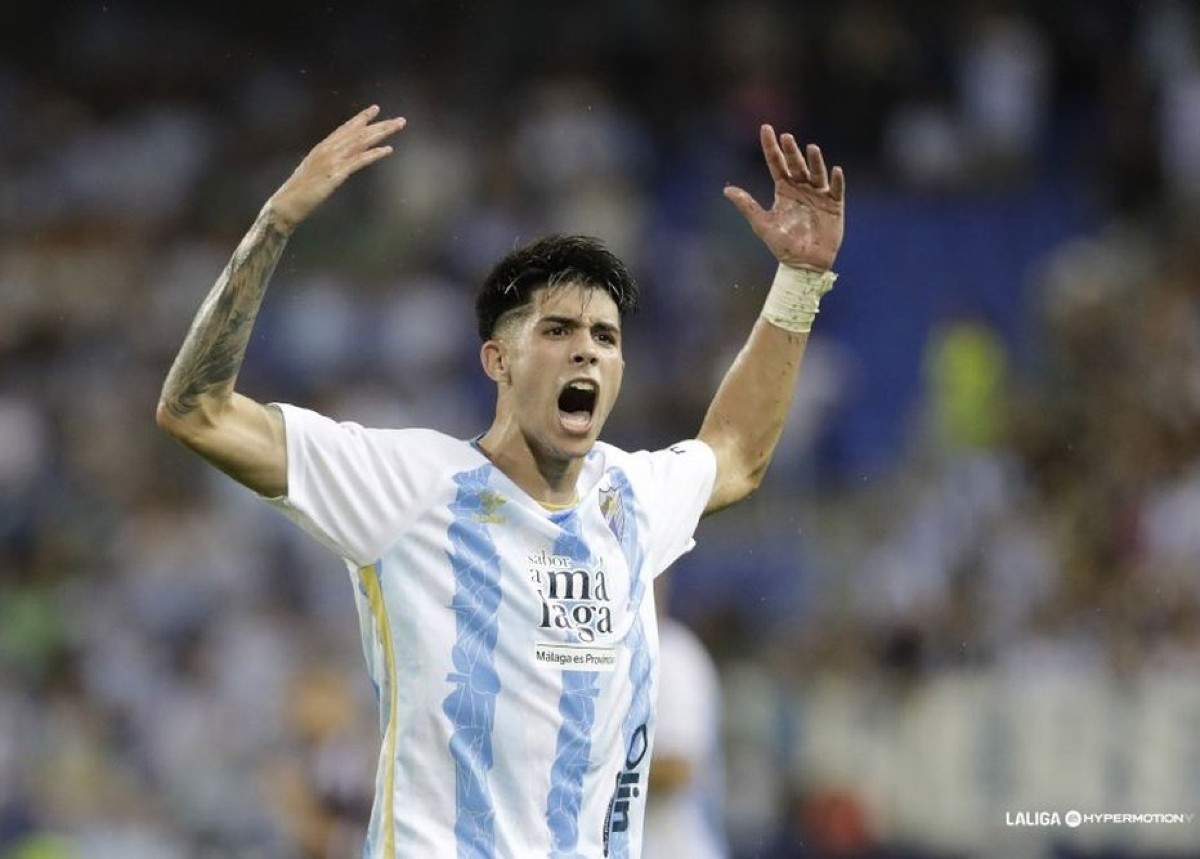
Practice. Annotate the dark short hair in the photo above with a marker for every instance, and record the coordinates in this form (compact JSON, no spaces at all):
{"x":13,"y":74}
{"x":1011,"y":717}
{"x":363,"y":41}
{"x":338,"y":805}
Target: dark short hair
{"x":552,"y":261}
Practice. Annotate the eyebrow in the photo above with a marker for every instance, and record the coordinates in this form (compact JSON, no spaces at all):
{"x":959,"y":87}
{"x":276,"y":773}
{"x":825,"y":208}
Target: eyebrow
{"x":574,"y":321}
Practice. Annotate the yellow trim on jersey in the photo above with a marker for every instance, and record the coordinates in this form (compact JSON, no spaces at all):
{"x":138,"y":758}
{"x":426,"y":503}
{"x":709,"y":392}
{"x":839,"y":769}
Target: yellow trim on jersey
{"x":554,"y":508}
{"x":370,"y":579}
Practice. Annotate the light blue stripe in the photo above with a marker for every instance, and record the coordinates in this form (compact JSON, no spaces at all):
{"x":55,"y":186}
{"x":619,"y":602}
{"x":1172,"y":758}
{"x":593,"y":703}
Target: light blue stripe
{"x":624,"y":527}
{"x":577,"y":707}
{"x":471,"y":706}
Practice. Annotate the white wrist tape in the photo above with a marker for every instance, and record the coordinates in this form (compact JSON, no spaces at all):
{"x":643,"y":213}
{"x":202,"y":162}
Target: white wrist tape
{"x":794,"y":297}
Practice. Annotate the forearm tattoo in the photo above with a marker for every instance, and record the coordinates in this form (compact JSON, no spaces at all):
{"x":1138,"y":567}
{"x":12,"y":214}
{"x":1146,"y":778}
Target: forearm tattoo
{"x":212,"y":353}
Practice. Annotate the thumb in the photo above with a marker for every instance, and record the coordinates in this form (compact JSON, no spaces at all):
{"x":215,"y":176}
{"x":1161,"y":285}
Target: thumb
{"x":744,"y":203}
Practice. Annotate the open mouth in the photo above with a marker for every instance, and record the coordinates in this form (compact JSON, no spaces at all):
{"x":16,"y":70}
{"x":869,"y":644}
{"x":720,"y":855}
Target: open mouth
{"x":576,"y":404}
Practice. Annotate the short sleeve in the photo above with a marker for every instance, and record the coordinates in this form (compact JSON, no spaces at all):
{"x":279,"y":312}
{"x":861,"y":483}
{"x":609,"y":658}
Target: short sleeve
{"x":351,"y":487}
{"x":682,"y":477}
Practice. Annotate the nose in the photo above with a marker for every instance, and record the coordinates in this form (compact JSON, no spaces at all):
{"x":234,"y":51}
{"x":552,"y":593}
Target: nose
{"x":583,"y":351}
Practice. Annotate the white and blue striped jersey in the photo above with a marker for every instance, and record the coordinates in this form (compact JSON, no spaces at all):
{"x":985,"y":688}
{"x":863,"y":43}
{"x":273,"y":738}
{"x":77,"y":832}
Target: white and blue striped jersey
{"x":514,"y":649}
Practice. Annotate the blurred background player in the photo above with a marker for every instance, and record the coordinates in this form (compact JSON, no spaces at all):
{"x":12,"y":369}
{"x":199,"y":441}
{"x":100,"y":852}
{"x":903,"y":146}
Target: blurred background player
{"x":685,"y":806}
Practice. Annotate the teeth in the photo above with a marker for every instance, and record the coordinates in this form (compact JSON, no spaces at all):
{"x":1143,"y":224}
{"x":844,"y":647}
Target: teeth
{"x":582,"y":386}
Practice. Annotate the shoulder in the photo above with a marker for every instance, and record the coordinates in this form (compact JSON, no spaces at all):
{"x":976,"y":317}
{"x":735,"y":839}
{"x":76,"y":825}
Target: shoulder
{"x":613,"y":455}
{"x":300,"y":419}
{"x":683,"y":649}
{"x":423,"y":438}
{"x":421,"y":448}
{"x":317,"y":437}
{"x":680,"y":637}
{"x":668,"y":463}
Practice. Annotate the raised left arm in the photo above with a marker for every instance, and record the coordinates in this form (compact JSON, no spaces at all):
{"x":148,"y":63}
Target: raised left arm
{"x":803,"y":229}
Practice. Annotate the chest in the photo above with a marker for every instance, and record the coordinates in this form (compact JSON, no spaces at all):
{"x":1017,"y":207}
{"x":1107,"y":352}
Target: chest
{"x":485,"y":561}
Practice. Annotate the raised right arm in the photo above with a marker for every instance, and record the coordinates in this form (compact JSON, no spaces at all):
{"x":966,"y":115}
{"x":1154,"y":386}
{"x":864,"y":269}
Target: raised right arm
{"x":199,"y":405}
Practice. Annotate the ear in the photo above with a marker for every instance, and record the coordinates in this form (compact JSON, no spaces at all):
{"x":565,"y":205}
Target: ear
{"x":493,"y":355}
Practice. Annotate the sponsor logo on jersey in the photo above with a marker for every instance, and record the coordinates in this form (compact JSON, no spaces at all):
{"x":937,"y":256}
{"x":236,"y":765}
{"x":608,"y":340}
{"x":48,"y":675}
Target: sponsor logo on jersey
{"x":628,"y":787}
{"x":573,"y":599}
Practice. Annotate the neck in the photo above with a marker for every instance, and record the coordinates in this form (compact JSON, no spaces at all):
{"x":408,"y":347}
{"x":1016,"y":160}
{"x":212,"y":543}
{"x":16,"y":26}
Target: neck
{"x":546,"y":478}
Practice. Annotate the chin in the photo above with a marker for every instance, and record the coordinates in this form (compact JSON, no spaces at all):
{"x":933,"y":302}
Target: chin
{"x":574,"y":445}
{"x":576,"y":448}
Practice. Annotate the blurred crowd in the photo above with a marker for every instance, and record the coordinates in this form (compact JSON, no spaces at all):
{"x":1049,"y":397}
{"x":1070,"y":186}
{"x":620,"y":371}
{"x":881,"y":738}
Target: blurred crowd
{"x":993,"y":469}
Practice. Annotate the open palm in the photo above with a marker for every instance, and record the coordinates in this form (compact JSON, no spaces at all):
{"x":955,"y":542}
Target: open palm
{"x":803,"y":227}
{"x":352,"y":146}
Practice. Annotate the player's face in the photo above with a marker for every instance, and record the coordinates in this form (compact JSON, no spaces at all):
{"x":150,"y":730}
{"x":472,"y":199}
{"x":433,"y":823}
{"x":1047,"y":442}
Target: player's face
{"x":565,"y":368}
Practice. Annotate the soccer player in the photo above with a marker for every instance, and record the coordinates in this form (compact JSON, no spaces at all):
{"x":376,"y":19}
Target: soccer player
{"x":504,"y":583}
{"x":685,"y":806}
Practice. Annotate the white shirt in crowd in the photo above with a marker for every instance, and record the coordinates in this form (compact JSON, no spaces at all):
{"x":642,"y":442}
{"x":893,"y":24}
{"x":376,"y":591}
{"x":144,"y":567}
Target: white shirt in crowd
{"x":688,"y":820}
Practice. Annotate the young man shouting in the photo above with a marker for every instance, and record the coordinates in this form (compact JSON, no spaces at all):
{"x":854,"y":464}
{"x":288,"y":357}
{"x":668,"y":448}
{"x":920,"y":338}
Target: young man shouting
{"x":505,"y":583}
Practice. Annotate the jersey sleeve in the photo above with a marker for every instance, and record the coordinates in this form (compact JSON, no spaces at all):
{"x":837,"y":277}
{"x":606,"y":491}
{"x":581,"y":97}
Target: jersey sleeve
{"x":682,"y":477}
{"x":352,"y":487}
